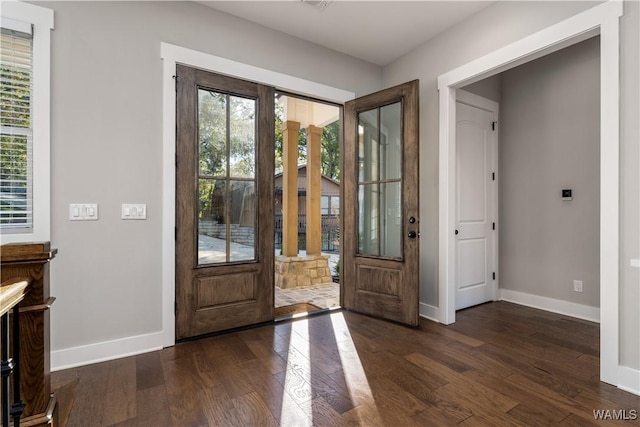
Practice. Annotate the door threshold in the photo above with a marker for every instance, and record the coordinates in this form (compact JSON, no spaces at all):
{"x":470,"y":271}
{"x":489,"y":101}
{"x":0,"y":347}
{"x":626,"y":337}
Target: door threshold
{"x":276,"y":320}
{"x":305,"y":314}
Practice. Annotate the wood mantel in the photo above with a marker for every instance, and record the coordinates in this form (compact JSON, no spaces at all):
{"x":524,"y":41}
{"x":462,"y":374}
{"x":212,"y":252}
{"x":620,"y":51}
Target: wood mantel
{"x":31,"y":261}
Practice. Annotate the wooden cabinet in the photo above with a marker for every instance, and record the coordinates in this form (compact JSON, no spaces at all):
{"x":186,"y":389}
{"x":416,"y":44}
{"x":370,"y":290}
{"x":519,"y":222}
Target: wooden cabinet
{"x":32,"y":261}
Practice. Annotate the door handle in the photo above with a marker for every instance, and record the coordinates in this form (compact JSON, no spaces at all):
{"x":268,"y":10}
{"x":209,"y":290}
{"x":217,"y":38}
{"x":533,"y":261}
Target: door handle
{"x":412,"y":234}
{"x":412,"y":220}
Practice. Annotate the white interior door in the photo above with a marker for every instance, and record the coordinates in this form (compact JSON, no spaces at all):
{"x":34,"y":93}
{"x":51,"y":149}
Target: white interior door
{"x":476,"y":200}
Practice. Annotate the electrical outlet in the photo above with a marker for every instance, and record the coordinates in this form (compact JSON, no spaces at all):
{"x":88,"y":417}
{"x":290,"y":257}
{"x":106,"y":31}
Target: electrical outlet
{"x":577,"y":285}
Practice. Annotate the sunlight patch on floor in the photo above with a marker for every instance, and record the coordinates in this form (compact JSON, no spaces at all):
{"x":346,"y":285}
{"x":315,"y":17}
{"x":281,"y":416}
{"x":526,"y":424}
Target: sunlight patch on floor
{"x":354,"y":375}
{"x":297,"y":384}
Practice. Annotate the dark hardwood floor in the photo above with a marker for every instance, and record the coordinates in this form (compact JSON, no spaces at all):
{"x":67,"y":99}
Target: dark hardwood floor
{"x":499,"y":364}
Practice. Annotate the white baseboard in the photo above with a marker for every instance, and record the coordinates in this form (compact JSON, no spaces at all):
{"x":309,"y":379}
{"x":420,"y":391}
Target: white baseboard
{"x":103,"y":351}
{"x":567,"y":308}
{"x":429,"y":312}
{"x":629,"y":379}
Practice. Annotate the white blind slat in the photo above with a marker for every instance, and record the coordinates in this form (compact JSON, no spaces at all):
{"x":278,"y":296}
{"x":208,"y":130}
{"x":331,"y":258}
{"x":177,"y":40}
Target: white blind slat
{"x":15,"y":131}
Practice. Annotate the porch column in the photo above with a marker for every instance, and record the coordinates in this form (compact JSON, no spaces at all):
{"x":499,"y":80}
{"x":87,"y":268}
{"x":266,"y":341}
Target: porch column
{"x":290,"y":131}
{"x":314,"y":190}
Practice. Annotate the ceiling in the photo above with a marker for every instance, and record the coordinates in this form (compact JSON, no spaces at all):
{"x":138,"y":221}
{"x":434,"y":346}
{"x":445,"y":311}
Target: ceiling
{"x":375,"y":31}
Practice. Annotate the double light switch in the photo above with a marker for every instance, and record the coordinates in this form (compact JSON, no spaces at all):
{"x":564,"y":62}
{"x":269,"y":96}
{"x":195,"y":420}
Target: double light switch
{"x":134,"y":211}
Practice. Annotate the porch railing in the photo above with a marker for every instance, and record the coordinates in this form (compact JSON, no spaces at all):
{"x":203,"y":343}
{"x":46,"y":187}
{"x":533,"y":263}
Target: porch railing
{"x":330,"y":232}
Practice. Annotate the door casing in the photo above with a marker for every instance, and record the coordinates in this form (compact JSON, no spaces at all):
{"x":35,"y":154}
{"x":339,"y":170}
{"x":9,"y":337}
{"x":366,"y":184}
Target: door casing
{"x":171,"y":56}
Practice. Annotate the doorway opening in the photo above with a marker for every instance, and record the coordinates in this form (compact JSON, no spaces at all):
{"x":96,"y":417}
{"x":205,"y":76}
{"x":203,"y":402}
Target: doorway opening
{"x":307,"y":205}
{"x":549,"y":128}
{"x":604,"y":20}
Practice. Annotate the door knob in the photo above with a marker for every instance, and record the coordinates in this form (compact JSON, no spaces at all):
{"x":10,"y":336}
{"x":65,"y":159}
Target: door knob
{"x":412,"y":234}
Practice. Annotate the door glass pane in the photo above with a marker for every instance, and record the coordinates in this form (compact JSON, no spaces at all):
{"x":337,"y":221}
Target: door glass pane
{"x":242,"y":198}
{"x":368,"y":147}
{"x":212,"y":133}
{"x":380,"y":182}
{"x":391,"y":221}
{"x":368,"y":220}
{"x":226,"y":210}
{"x":242,"y":128}
{"x":391,"y":137}
{"x":212,"y":230}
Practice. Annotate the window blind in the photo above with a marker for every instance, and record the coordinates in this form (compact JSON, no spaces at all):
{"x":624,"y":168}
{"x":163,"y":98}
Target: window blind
{"x":16,"y":136}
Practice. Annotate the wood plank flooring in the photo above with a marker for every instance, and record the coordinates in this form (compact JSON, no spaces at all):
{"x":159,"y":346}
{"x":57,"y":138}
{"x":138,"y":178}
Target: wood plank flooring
{"x":499,"y":364}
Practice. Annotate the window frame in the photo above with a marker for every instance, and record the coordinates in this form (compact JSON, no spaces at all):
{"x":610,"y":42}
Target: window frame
{"x":41,"y":19}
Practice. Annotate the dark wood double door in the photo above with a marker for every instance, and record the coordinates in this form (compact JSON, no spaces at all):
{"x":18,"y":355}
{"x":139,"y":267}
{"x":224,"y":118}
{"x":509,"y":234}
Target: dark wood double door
{"x":225,"y":246}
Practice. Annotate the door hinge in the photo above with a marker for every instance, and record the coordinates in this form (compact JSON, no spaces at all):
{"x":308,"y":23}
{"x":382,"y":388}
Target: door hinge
{"x":493,"y":176}
{"x":176,"y":160}
{"x":494,"y":226}
{"x":175,"y":307}
{"x":175,"y":233}
{"x":493,"y":125}
{"x":175,"y":82}
{"x":494,"y":275}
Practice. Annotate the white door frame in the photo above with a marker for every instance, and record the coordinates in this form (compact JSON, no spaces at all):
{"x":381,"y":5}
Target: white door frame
{"x":604,"y":20}
{"x":482,"y":103}
{"x":172,"y":55}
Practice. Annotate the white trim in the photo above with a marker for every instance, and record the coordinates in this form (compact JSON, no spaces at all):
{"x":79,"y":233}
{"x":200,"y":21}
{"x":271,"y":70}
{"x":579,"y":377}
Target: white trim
{"x":610,"y":196}
{"x":255,"y":74}
{"x":635,"y":262}
{"x":13,"y":25}
{"x":553,"y":305}
{"x":171,"y":56}
{"x":106,"y":350}
{"x":602,"y":19}
{"x":42,"y":20}
{"x":429,"y":312}
{"x":629,"y":379}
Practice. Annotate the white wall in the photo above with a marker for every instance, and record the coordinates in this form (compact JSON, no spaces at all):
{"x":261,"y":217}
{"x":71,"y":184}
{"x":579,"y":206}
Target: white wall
{"x":550,"y":140}
{"x":107,"y":147}
{"x":490,"y":29}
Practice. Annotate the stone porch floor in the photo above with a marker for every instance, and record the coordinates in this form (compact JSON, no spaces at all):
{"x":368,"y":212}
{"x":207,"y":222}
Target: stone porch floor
{"x":326,"y":295}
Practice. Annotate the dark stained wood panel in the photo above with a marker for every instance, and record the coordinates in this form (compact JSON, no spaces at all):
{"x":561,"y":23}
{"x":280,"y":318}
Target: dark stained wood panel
{"x":379,"y":280}
{"x":346,"y":369}
{"x":225,"y":289}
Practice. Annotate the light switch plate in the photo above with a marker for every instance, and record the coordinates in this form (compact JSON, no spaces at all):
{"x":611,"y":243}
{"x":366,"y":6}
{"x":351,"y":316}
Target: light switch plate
{"x":134,"y":211}
{"x":83,"y":212}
